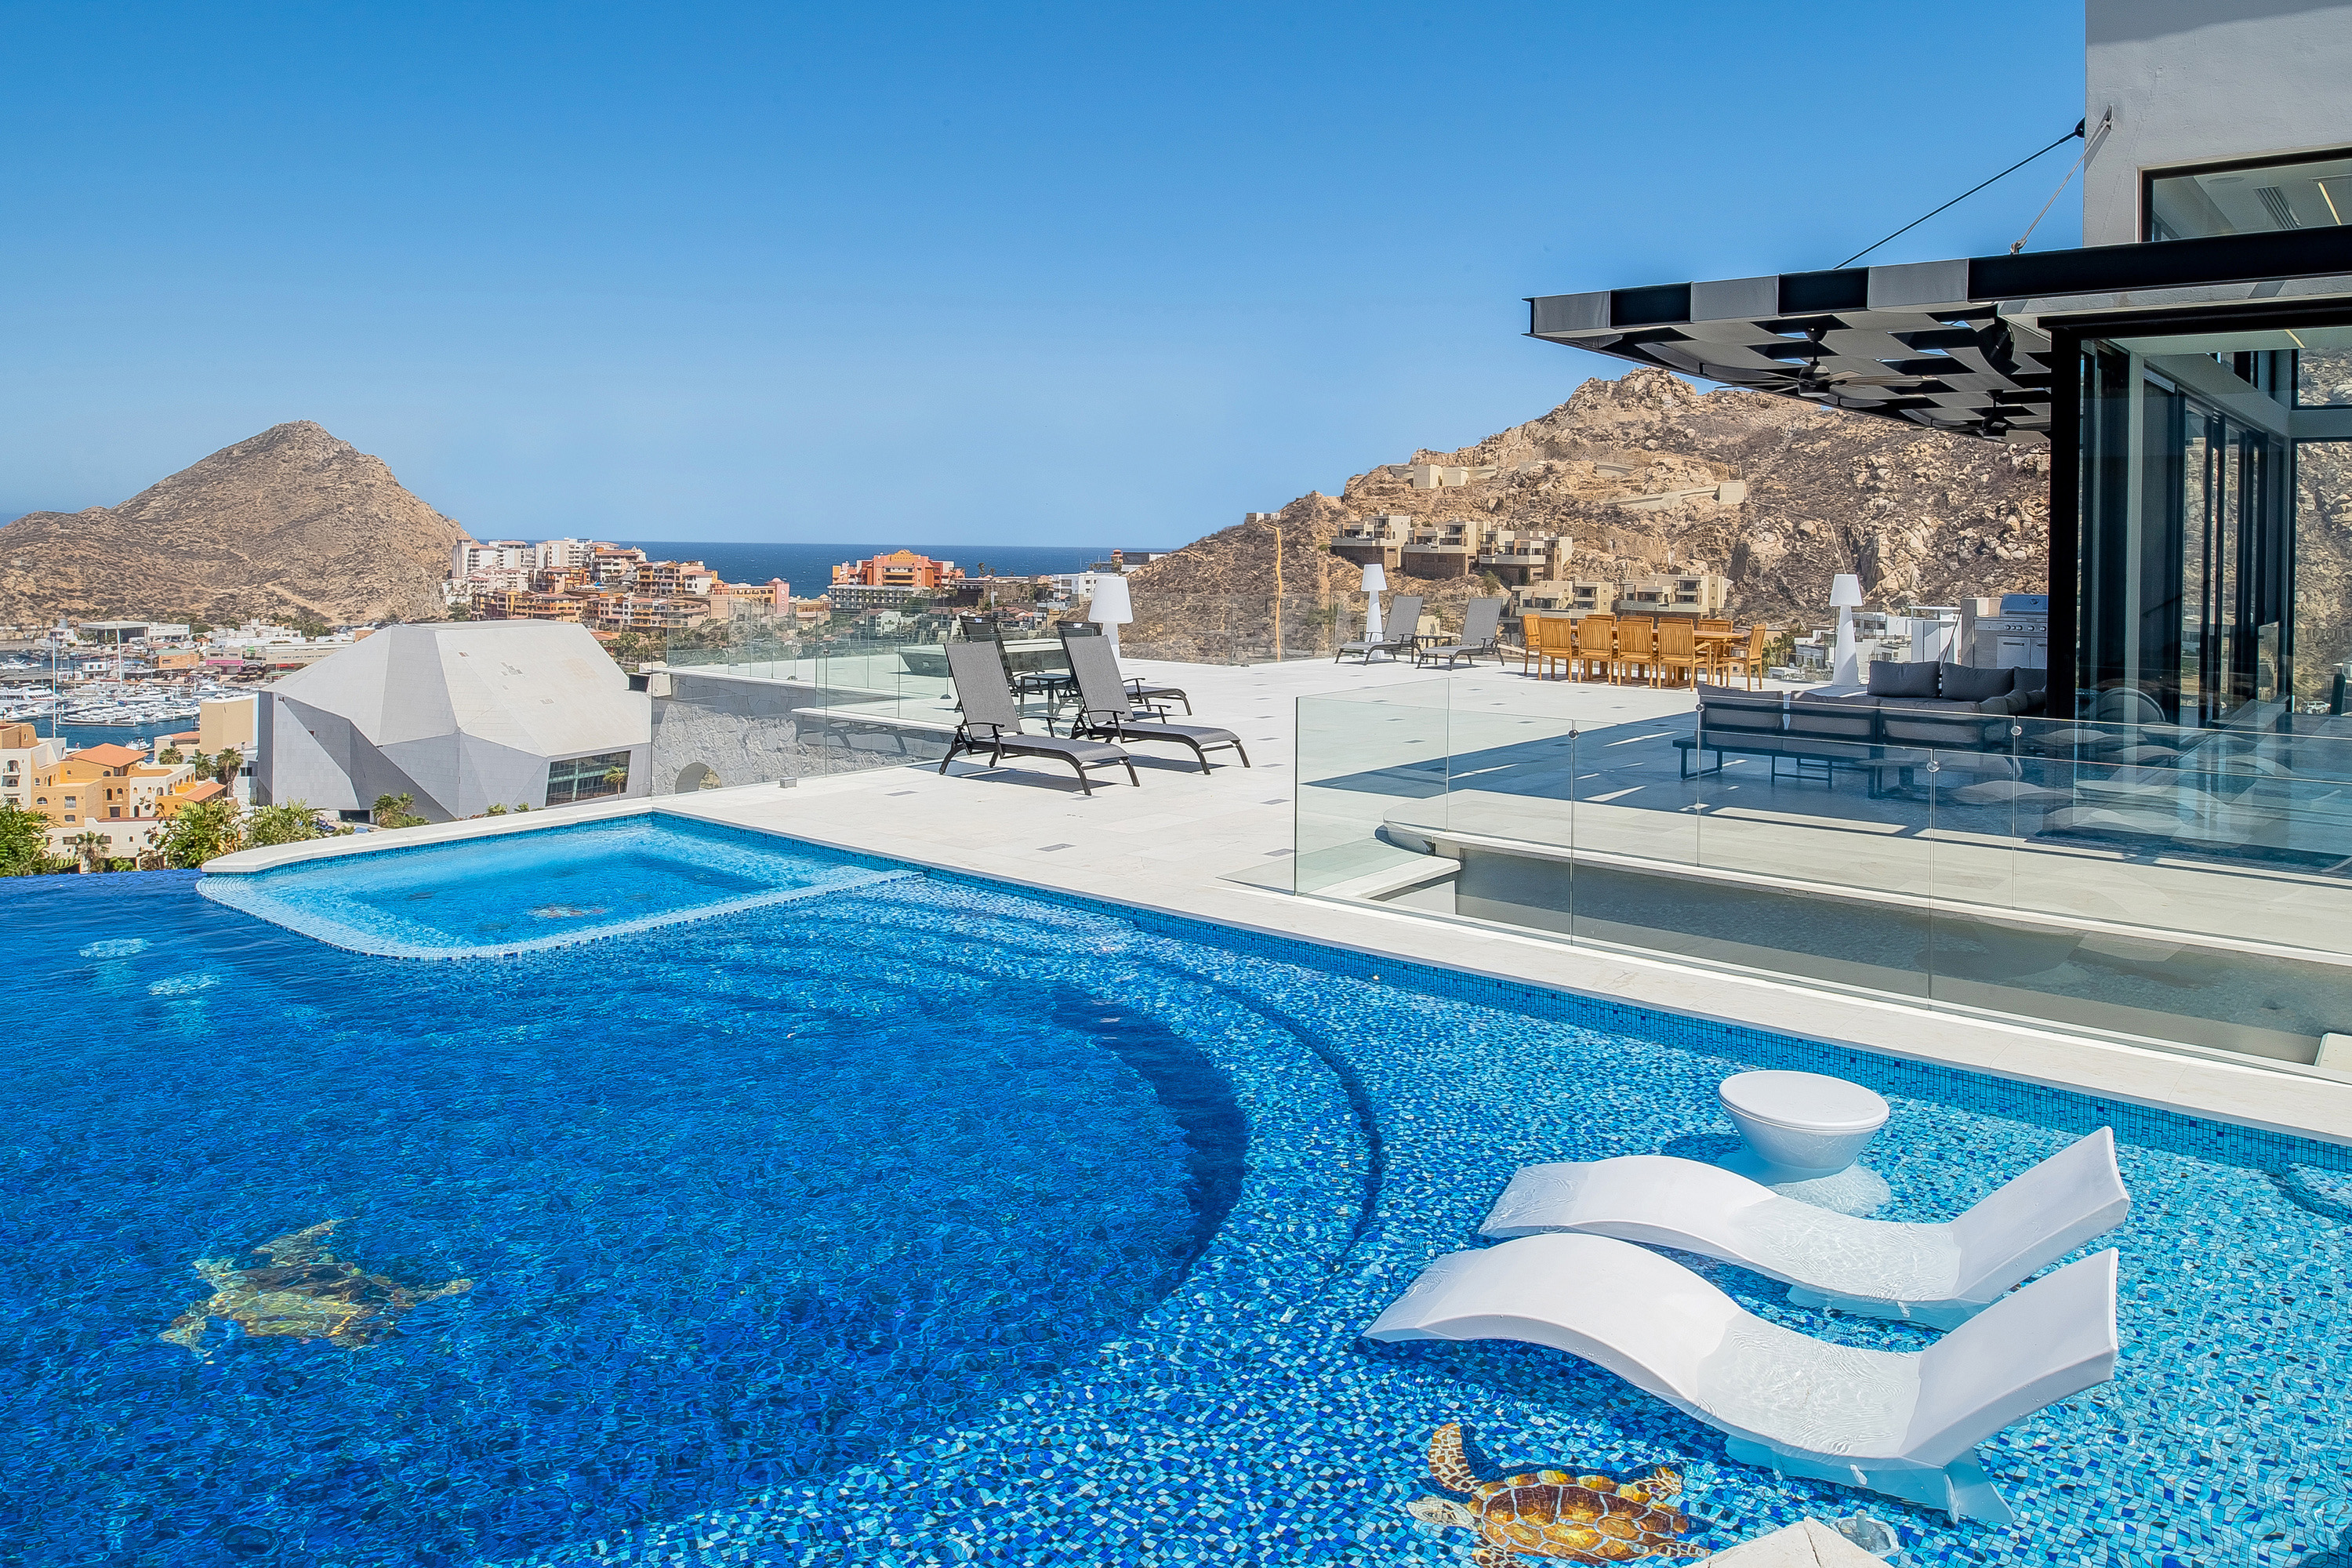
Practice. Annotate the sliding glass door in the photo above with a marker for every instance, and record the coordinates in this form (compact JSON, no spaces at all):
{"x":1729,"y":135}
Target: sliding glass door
{"x":2190,"y":545}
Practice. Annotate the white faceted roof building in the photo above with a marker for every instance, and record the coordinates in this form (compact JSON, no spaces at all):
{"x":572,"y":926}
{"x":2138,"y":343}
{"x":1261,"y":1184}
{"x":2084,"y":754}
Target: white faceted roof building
{"x":459,"y":717}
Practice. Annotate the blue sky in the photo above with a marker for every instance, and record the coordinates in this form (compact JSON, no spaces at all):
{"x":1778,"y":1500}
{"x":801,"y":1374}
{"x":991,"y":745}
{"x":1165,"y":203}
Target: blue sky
{"x":999,"y":275}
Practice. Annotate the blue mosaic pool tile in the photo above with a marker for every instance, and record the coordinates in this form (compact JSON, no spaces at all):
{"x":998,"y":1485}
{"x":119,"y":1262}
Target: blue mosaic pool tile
{"x":1235,"y":1417}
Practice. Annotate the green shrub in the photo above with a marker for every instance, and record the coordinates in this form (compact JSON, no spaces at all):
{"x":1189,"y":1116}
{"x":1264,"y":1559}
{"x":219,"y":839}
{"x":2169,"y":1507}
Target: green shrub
{"x":200,"y":832}
{"x":23,"y":841}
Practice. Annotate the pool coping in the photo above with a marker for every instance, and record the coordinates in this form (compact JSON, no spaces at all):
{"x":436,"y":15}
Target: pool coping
{"x":270,"y":857}
{"x":2302,"y":1104}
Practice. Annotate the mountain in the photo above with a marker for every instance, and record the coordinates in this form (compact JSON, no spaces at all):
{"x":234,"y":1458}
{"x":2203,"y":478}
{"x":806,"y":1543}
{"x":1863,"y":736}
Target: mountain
{"x":1632,"y":469}
{"x":289,"y":523}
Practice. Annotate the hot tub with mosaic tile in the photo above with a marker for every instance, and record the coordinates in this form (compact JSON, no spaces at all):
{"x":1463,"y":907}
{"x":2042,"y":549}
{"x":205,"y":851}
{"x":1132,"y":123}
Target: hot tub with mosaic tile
{"x":919,"y":1221}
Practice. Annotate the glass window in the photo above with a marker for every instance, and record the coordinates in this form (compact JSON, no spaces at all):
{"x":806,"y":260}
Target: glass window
{"x":2323,"y":573}
{"x":2187,"y":546}
{"x":2216,"y":523}
{"x":2313,"y":191}
{"x":2323,"y":377}
{"x":586,"y":778}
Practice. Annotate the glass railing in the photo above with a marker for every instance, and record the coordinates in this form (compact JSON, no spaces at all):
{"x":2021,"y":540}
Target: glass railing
{"x":759,"y":707}
{"x":759,"y":702}
{"x":2178,"y":885}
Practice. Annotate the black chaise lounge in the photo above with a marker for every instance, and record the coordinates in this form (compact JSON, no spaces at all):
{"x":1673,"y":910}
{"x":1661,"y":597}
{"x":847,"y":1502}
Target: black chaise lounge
{"x":1404,"y":612}
{"x":1107,"y":712}
{"x":1480,"y":620}
{"x":991,"y":722}
{"x":1144,"y":693}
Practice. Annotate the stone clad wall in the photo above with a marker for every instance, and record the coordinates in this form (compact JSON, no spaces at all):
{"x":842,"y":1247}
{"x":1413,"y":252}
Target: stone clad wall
{"x":739,"y":729}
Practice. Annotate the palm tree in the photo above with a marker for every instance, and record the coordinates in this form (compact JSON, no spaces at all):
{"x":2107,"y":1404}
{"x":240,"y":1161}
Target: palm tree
{"x":90,"y":848}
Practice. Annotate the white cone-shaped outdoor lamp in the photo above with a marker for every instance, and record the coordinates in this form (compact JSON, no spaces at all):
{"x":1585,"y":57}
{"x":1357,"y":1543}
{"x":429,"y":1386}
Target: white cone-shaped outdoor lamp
{"x":1374,"y":580}
{"x":1845,"y":597}
{"x":1110,"y":608}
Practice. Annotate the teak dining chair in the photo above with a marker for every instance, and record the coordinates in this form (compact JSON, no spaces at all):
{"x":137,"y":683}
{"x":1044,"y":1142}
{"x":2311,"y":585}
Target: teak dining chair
{"x":1749,"y":660}
{"x":1637,"y":651}
{"x":1530,"y":646}
{"x":1596,"y":647}
{"x":1679,"y":648}
{"x":1558,"y":644}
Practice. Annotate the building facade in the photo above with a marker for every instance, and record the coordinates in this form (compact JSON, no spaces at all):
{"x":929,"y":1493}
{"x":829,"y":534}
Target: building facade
{"x":882,"y":582}
{"x":2190,"y":367}
{"x":22,"y":754}
{"x":459,"y":717}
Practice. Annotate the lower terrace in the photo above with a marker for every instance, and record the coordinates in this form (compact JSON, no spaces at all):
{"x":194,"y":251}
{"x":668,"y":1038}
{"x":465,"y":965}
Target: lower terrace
{"x":1546,"y":831}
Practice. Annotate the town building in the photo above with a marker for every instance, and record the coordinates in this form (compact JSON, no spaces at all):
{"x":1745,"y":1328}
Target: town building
{"x":1440,"y":548}
{"x":1675,"y":594}
{"x":562,"y":554}
{"x":114,"y":633}
{"x":882,"y":581}
{"x":1565,"y":596}
{"x":1444,"y":476}
{"x":90,"y":785}
{"x":459,"y":716}
{"x":750,"y":601}
{"x":468,"y":556}
{"x":226,"y":724}
{"x":1521,"y":557}
{"x":1375,"y":541}
{"x":1456,"y":547}
{"x":22,"y":754}
{"x":154,"y":784}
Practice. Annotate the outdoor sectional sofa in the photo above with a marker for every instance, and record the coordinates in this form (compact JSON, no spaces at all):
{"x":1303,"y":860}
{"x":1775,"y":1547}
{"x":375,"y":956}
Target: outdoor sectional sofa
{"x":1907,"y":710}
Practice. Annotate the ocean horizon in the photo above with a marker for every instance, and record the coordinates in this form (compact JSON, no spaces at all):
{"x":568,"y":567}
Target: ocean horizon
{"x":809,"y":567}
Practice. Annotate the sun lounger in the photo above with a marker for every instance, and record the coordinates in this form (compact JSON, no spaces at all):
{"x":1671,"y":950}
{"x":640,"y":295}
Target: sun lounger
{"x":1903,"y":1424}
{"x":1479,"y":621}
{"x":1143,"y":692}
{"x":992,"y":721}
{"x":1403,"y":628}
{"x":1940,"y":1275}
{"x":1106,"y":711}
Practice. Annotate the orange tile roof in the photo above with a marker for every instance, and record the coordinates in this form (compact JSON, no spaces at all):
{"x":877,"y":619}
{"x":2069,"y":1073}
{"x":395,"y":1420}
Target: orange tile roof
{"x":110,"y":755}
{"x":195,"y":793}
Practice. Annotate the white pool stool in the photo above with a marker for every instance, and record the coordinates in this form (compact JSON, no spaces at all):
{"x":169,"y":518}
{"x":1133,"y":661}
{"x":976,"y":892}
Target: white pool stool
{"x":1802,"y":1132}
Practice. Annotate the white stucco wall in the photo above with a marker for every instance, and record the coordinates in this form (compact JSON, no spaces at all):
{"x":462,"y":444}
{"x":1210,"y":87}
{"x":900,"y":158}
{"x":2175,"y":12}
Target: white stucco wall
{"x":2193,"y":81}
{"x":459,"y":717}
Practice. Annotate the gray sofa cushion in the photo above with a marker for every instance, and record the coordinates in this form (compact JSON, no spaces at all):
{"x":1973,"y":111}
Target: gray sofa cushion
{"x":1967,"y":683}
{"x":1927,"y":704}
{"x":1889,"y":679}
{"x":1728,"y":708}
{"x":1820,"y":718}
{"x":1953,"y":724}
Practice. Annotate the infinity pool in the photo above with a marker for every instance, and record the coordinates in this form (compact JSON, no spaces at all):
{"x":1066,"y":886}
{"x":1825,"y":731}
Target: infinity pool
{"x":909,"y":1220}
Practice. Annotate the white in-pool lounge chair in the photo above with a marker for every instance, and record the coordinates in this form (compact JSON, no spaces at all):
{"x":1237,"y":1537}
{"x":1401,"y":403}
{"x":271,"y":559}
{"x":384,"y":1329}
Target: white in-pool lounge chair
{"x":1903,"y":1424}
{"x":1939,"y":1275}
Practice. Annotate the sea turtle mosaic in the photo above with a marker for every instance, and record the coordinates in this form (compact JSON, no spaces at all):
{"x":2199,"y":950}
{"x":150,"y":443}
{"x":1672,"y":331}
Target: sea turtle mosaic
{"x":304,"y":1293}
{"x":1552,"y":1514}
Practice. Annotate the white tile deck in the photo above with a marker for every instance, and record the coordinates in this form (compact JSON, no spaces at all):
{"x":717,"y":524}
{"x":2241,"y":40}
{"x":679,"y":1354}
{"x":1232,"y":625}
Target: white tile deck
{"x":1217,"y":847}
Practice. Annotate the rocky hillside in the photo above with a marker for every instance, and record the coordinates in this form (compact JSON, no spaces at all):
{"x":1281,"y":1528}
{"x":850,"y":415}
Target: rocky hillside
{"x":1631,"y":468}
{"x":292,"y":520}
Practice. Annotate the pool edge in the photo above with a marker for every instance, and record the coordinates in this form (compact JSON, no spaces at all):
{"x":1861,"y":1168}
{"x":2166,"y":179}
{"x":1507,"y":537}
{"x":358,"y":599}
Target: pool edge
{"x":2158,"y":1081}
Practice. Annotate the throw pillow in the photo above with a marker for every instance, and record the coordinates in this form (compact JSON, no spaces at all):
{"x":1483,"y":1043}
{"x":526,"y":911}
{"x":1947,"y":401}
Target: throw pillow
{"x":1889,"y":679}
{"x":1967,"y":683}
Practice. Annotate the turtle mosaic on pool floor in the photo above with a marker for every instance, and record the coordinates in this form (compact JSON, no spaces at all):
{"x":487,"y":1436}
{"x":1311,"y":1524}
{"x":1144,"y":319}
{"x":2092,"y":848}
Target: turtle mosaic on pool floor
{"x":304,"y":1293}
{"x":1552,"y":1514}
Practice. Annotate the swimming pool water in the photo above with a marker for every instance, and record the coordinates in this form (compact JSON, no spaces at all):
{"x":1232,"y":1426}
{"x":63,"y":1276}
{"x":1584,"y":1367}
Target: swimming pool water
{"x":524,"y":891}
{"x":922,"y":1222}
